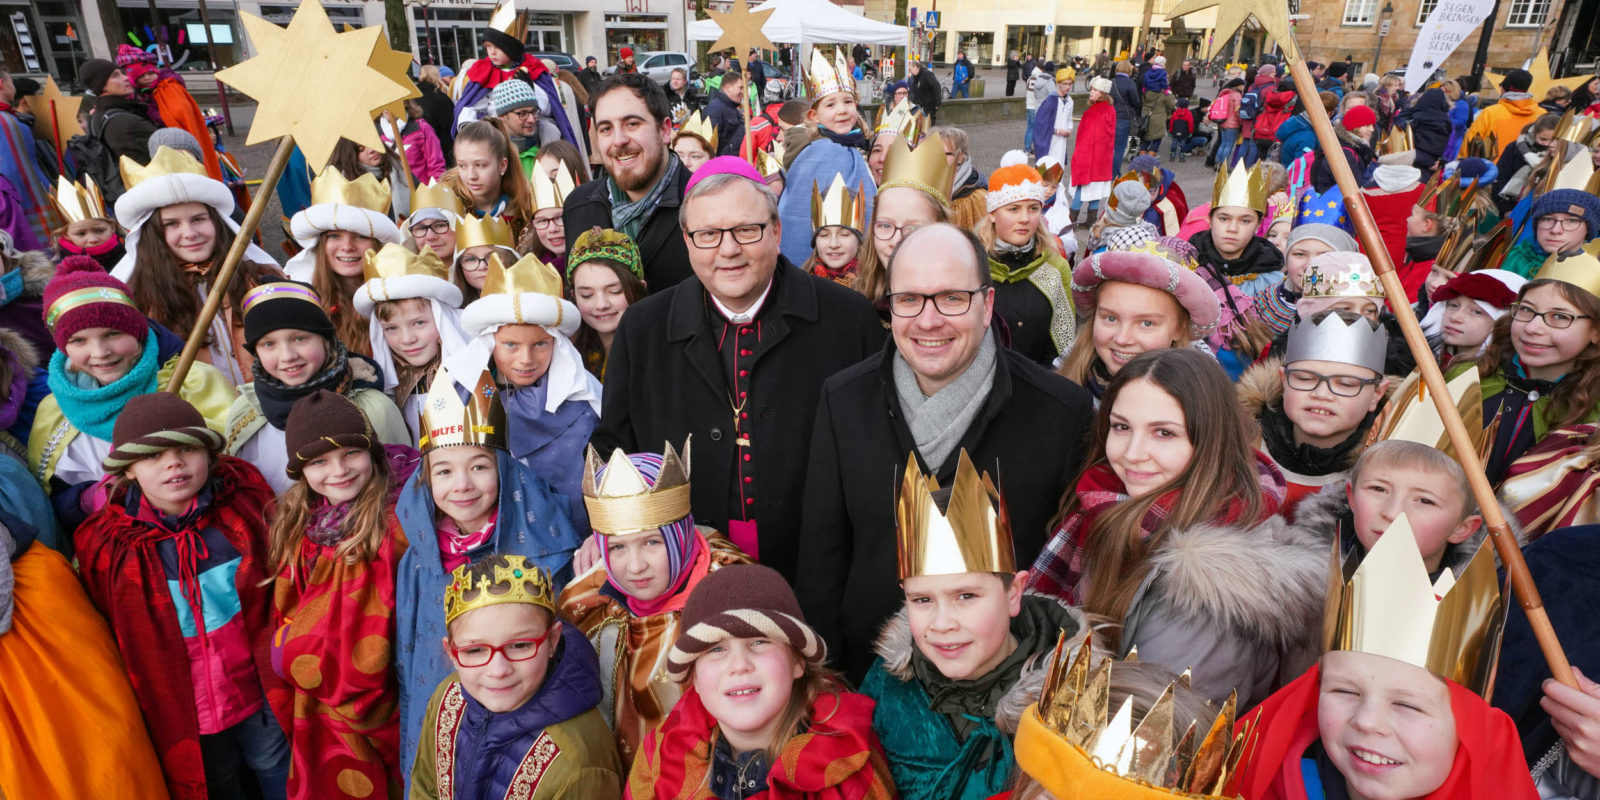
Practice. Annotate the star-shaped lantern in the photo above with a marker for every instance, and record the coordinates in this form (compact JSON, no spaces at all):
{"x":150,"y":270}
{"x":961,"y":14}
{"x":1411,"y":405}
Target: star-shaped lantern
{"x":314,"y":83}
{"x":1272,"y":15}
{"x":741,"y":28}
{"x":1542,"y":83}
{"x":55,"y":115}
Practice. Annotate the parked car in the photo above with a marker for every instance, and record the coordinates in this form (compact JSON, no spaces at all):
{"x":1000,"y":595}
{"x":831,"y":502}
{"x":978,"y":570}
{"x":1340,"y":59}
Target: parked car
{"x":562,"y":60}
{"x":659,"y":64}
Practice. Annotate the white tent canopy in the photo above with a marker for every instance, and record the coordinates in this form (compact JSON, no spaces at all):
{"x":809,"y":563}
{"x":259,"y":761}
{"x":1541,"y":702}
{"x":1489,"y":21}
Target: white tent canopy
{"x":811,"y":22}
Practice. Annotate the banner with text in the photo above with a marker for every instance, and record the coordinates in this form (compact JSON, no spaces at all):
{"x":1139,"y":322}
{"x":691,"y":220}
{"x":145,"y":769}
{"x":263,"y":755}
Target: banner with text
{"x":1444,"y":31}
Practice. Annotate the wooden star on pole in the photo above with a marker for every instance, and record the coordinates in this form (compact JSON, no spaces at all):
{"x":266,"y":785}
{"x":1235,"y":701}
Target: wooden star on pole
{"x":396,"y":66}
{"x":741,"y":28}
{"x":1271,"y":15}
{"x":313,"y":83}
{"x":1542,"y":83}
{"x":55,"y":115}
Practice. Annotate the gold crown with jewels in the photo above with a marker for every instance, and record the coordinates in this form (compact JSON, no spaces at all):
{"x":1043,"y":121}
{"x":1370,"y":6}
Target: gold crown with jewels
{"x":514,"y":581}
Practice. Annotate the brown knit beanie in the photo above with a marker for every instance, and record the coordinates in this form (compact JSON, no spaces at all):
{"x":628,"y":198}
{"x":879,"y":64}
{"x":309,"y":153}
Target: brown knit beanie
{"x":323,"y":422}
{"x":741,"y":601}
{"x":151,"y":423}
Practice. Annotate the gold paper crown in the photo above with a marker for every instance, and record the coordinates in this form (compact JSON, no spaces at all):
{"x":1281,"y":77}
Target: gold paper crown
{"x":551,"y":192}
{"x":79,"y":202}
{"x":1052,"y":173}
{"x":924,"y":167}
{"x":902,"y":119}
{"x":973,"y":534}
{"x":1573,"y":173}
{"x":839,"y":207}
{"x":515,"y":581}
{"x":1352,"y":279}
{"x":623,"y":502}
{"x":395,"y":261}
{"x":1388,"y":607}
{"x":1135,"y":176}
{"x":770,"y":162}
{"x":434,"y":194}
{"x":1486,"y":147}
{"x":824,"y":79}
{"x":1108,"y":755}
{"x":1240,"y":187}
{"x":1398,"y":141}
{"x":166,"y":161}
{"x":1464,"y":251}
{"x":364,"y":192}
{"x":506,"y":20}
{"x":699,"y":126}
{"x":528,"y":276}
{"x":1576,"y":128}
{"x":1410,"y":415}
{"x":1447,"y":197}
{"x":474,"y":231}
{"x":446,"y":421}
{"x":1580,"y":269}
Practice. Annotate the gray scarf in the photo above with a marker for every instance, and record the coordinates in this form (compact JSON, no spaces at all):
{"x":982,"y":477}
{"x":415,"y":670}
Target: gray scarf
{"x":964,"y":171}
{"x":628,"y":216}
{"x":8,"y":583}
{"x":937,"y":423}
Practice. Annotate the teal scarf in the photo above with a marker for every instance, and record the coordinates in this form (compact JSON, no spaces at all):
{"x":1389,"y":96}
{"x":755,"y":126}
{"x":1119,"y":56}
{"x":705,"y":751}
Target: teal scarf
{"x":94,"y":411}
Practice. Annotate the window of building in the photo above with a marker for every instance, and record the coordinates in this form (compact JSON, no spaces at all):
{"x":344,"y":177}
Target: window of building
{"x":1425,"y":9}
{"x":1359,"y":12}
{"x":1527,"y":13}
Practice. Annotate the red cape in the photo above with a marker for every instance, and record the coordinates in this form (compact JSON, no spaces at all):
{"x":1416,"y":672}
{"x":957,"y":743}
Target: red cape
{"x":1390,"y":211}
{"x":1091,"y":149}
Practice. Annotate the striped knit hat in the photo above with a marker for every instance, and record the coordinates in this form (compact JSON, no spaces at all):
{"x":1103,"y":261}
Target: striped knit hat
{"x":741,"y":601}
{"x":151,"y":423}
{"x":82,"y":295}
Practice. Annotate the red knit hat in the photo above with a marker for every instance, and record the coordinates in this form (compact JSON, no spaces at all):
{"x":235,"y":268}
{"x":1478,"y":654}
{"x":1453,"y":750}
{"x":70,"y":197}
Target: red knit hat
{"x":1358,"y":116}
{"x":82,"y":295}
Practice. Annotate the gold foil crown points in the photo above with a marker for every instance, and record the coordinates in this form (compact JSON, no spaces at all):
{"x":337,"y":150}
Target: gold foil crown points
{"x":79,"y":202}
{"x":622,"y":502}
{"x":166,"y":161}
{"x":395,"y":261}
{"x":434,"y":194}
{"x":506,"y":20}
{"x":1388,"y":607}
{"x":446,"y":421}
{"x":972,"y":534}
{"x":824,"y":79}
{"x":839,"y":206}
{"x":1486,"y":146}
{"x":903,"y":120}
{"x":1410,"y":415}
{"x":473,"y":231}
{"x":770,"y":163}
{"x":700,"y":126}
{"x":515,"y":581}
{"x":1398,"y":141}
{"x":528,"y":276}
{"x":1580,"y":269}
{"x":364,"y":192}
{"x":551,"y":192}
{"x":1575,"y":127}
{"x":923,"y":167}
{"x":1241,"y":188}
{"x":1075,"y":706}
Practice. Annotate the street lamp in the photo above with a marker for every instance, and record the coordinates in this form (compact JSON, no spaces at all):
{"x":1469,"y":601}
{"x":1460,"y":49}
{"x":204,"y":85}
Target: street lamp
{"x":1383,"y":30}
{"x":427,"y":31}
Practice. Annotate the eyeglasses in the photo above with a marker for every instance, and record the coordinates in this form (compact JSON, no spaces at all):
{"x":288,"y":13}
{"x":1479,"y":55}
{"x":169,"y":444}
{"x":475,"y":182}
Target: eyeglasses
{"x":474,"y":263}
{"x":951,"y":303}
{"x":1559,"y":320}
{"x":522,"y":113}
{"x":711,"y":238}
{"x":437,"y":227}
{"x":477,"y":655}
{"x":885,"y":231}
{"x":1304,"y":380}
{"x":1564,"y":223}
{"x":544,"y":224}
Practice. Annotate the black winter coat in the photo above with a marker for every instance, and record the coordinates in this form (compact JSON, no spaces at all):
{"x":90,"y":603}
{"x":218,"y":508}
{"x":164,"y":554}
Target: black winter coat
{"x":665,"y":381}
{"x":926,"y":92}
{"x":729,"y":122}
{"x":1182,"y":83}
{"x":123,"y":123}
{"x":660,"y":241}
{"x":1430,"y":129}
{"x":439,"y":112}
{"x":1125,"y":98}
{"x":1031,"y":436}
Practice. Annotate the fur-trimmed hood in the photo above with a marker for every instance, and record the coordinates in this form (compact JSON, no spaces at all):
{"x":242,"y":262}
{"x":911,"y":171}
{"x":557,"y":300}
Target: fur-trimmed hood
{"x":20,"y":348}
{"x":37,"y":270}
{"x":1321,"y":515}
{"x":1260,"y":387}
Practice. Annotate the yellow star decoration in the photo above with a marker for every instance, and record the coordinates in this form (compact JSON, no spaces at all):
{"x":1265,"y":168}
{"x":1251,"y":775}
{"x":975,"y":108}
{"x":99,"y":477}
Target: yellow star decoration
{"x":313,"y":83}
{"x":741,"y":28}
{"x":1272,"y":15}
{"x":1539,"y":68}
{"x":396,"y":66}
{"x":66,"y":113}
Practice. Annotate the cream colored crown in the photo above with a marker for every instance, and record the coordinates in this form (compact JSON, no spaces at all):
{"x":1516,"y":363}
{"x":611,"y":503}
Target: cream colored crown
{"x":528,"y":276}
{"x":166,"y":161}
{"x":434,"y":194}
{"x":839,"y":207}
{"x":551,"y":192}
{"x":506,"y":20}
{"x":699,"y":126}
{"x":622,"y":502}
{"x":446,"y":421}
{"x":395,"y":261}
{"x":516,"y":582}
{"x":904,"y":120}
{"x":972,"y":534}
{"x":824,"y":79}
{"x":365,"y":191}
{"x":474,"y":231}
{"x":923,"y":167}
{"x":1354,"y":279}
{"x":1240,"y":187}
{"x":79,"y":202}
{"x":1388,"y":607}
{"x":1410,"y":415}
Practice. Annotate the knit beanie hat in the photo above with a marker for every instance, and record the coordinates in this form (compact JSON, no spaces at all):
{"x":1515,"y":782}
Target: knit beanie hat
{"x":128,"y":55}
{"x":154,"y":422}
{"x":510,"y":44}
{"x":1147,"y":164}
{"x":322,"y":422}
{"x":741,"y":601}
{"x":1132,"y":200}
{"x":177,"y":139}
{"x":1330,"y":235}
{"x":284,"y":304}
{"x":1101,"y":85}
{"x":94,"y":73}
{"x":1336,"y":70}
{"x":1358,"y":116}
{"x":1517,"y":80}
{"x":1576,"y":202}
{"x":512,"y":95}
{"x":1015,"y":183}
{"x":82,"y":295}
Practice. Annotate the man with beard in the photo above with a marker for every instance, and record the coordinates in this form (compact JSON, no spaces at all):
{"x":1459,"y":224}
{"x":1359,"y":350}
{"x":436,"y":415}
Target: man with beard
{"x":644,"y":181}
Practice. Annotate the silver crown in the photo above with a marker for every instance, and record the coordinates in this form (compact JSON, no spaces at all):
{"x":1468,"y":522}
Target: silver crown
{"x":1357,"y":343}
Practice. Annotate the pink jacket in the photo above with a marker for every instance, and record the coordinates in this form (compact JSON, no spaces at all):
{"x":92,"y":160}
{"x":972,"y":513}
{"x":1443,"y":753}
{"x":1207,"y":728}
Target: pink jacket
{"x":423,"y":152}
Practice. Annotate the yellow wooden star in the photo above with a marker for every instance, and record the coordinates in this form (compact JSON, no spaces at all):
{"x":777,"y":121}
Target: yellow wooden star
{"x":396,"y":66}
{"x":741,"y":28}
{"x":1271,"y":15}
{"x":66,"y":113}
{"x":1542,"y":83}
{"x":312,"y":83}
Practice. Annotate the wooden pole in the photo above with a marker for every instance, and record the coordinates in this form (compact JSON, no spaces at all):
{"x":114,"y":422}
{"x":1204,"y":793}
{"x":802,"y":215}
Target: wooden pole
{"x":55,"y":121}
{"x":1505,"y":543}
{"x":219,"y":285}
{"x":746,"y":145}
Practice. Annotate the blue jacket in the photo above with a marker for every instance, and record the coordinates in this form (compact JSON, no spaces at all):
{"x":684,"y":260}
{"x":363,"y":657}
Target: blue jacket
{"x":532,"y":522}
{"x":552,"y":444}
{"x":963,"y":72}
{"x":1297,"y":136}
{"x":817,"y":164}
{"x":729,"y":122}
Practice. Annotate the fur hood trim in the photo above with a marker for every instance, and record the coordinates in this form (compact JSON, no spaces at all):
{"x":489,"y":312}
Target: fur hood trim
{"x":14,"y":343}
{"x":1260,"y":386}
{"x":37,"y":270}
{"x":1319,"y":515}
{"x":1266,"y":581}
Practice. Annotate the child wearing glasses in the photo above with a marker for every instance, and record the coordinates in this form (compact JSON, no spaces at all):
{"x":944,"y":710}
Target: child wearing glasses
{"x":1563,"y":219}
{"x":518,"y":718}
{"x":477,"y":238}
{"x":435,"y":211}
